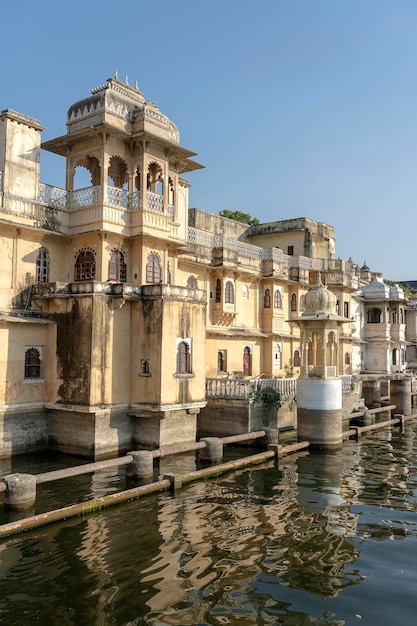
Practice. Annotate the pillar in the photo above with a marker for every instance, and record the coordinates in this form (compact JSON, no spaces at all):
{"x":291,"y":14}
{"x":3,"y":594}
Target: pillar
{"x":141,"y":466}
{"x":319,"y":412}
{"x":372,"y":393}
{"x":401,"y":395}
{"x":213,"y":452}
{"x":20,"y":491}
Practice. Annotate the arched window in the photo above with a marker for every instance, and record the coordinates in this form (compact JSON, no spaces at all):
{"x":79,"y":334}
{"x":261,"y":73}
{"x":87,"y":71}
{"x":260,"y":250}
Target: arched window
{"x":117,"y":266}
{"x":394,"y":316}
{"x":394,"y":356}
{"x":301,"y":303}
{"x":145,"y":367}
{"x":153,"y":268}
{"x":32,"y":363}
{"x":247,"y":361}
{"x":86,"y":173}
{"x":277,"y":299}
{"x":347,"y":358}
{"x":229,"y":293}
{"x":192,"y":282}
{"x":117,"y":172}
{"x":277,"y":357}
{"x":85,"y":266}
{"x":267,"y":299}
{"x":245,"y":292}
{"x":183,"y":358}
{"x":296,"y":359}
{"x":155,"y":178}
{"x":293,"y":302}
{"x":218,"y":290}
{"x":42,"y":266}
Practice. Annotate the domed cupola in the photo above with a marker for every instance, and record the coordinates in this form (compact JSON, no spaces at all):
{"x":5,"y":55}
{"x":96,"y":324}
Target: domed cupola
{"x":396,"y":293}
{"x":376,"y":290}
{"x":319,"y":300}
{"x":123,"y":106}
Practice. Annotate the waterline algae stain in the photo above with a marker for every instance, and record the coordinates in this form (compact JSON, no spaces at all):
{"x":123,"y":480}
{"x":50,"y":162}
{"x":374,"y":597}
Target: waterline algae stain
{"x":322,"y":539}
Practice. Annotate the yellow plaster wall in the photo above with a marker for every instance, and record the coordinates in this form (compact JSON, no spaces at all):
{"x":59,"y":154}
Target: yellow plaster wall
{"x":15,"y":337}
{"x":234,"y":347}
{"x":282,"y":240}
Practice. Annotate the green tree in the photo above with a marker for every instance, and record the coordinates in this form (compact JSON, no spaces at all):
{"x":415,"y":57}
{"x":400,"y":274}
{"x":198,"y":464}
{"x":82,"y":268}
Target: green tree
{"x":238,"y":216}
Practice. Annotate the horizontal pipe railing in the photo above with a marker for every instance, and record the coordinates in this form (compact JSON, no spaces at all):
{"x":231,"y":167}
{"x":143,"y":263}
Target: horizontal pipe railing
{"x":382,"y":409}
{"x":87,"y":468}
{"x":104,"y":502}
{"x":169,"y":481}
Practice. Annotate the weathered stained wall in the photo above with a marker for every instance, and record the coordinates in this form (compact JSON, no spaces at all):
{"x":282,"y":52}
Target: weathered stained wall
{"x":74,"y":329}
{"x":20,"y":143}
{"x":23,"y":431}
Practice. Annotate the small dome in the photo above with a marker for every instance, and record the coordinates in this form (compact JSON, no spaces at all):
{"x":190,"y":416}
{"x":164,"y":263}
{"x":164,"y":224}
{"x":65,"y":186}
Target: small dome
{"x":319,"y":298}
{"x":123,"y":104}
{"x":376,"y":290}
{"x":396,"y":293}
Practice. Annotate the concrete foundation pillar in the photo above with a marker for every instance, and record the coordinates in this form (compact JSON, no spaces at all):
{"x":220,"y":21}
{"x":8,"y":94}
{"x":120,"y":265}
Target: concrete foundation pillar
{"x":213,"y":452}
{"x":371,"y":390}
{"x":20,"y":491}
{"x":271,"y":436}
{"x":401,"y":395}
{"x":319,"y":412}
{"x":141,"y":466}
{"x":367,"y":419}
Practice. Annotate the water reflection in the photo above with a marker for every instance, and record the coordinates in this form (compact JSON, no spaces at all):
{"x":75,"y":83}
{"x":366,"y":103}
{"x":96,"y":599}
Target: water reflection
{"x":302,"y":543}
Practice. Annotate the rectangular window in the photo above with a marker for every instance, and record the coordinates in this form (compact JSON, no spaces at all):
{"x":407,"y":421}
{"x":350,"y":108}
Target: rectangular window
{"x":290,"y":250}
{"x":346,"y":309}
{"x":33,"y":357}
{"x":222,"y":361}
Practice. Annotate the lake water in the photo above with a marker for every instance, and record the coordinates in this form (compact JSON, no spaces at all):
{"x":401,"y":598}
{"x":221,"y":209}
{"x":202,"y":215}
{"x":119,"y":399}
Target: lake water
{"x":319,"y":539}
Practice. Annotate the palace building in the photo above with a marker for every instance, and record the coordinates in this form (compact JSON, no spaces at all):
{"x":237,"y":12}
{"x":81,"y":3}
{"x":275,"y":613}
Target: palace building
{"x":118,"y":302}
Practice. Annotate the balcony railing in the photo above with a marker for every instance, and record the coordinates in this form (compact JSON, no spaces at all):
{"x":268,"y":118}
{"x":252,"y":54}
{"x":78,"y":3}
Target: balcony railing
{"x":89,"y":196}
{"x":93,"y":196}
{"x":155,"y":202}
{"x":117,"y":197}
{"x":35,"y":211}
{"x":254,"y":253}
{"x":53,"y":196}
{"x":241,"y":389}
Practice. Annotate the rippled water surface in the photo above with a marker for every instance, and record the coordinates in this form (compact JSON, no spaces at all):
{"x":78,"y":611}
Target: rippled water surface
{"x":321,"y":539}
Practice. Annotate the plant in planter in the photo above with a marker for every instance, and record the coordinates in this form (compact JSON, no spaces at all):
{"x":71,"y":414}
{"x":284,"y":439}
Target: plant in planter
{"x":269,"y":396}
{"x":271,"y":401}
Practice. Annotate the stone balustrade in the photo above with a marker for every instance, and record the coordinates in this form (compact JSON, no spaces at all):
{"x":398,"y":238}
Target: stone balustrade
{"x":241,"y":389}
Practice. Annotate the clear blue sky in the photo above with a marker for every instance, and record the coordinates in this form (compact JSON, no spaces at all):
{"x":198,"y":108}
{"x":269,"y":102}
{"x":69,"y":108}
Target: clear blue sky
{"x":296,"y":107}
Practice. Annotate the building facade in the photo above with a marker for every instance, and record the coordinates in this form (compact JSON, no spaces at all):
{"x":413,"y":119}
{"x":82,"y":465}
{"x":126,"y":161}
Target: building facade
{"x":118,"y":301}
